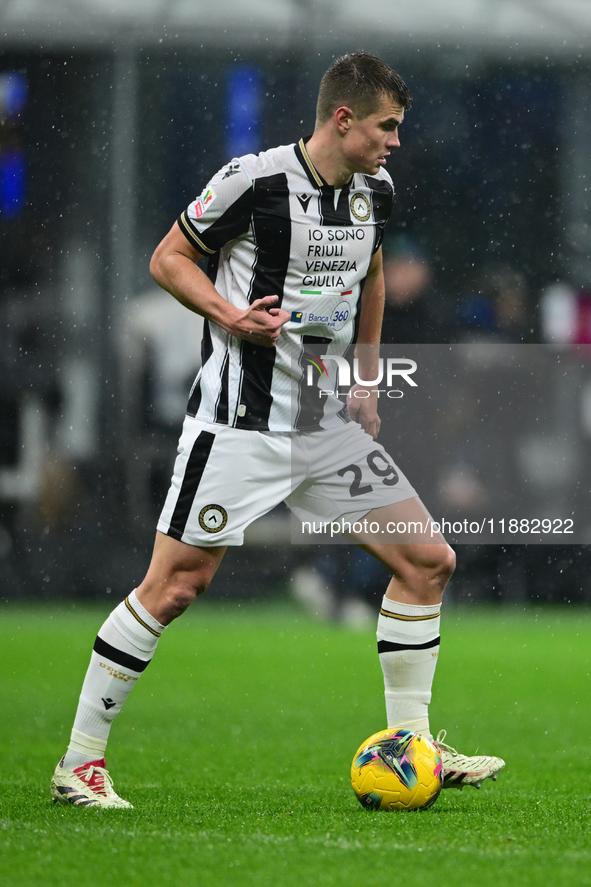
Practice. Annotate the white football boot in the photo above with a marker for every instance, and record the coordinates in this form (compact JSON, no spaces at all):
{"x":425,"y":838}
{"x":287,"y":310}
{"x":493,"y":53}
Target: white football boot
{"x":459,"y":770}
{"x":87,"y":786}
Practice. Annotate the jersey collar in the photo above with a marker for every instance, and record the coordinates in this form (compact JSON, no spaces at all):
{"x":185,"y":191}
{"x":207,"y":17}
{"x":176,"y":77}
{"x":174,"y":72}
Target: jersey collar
{"x":309,"y":168}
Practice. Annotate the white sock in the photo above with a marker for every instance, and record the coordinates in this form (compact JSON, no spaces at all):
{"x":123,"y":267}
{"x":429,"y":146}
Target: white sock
{"x":123,"y":648}
{"x":408,"y":646}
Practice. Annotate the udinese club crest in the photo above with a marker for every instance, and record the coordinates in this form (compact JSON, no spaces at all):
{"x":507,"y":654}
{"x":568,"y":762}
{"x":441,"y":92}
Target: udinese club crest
{"x":360,"y":207}
{"x":213,"y":518}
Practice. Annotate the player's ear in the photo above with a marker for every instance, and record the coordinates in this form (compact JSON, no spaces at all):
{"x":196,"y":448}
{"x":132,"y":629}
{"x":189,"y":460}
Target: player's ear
{"x":342,"y":118}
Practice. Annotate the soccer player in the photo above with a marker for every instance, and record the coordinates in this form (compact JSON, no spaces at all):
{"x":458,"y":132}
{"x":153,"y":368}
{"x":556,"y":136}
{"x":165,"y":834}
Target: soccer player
{"x":293,"y":237}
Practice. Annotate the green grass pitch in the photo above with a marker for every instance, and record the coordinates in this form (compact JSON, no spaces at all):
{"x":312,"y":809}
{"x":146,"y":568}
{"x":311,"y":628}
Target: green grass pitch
{"x":235,"y":749}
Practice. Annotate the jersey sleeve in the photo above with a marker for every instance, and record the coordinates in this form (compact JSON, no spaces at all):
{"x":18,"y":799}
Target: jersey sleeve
{"x":222,"y":212}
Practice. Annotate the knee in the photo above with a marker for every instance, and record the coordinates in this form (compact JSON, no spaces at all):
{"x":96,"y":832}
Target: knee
{"x":447,"y":562}
{"x":182,"y":589}
{"x":167,"y":596}
{"x":440,"y":563}
{"x":427,"y":565}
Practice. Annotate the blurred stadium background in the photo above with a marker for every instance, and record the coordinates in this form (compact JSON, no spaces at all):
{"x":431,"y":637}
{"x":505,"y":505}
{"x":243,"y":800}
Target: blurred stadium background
{"x":114,"y":115}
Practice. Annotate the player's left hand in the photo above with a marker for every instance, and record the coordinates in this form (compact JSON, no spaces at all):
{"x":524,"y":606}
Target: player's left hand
{"x":364,"y":409}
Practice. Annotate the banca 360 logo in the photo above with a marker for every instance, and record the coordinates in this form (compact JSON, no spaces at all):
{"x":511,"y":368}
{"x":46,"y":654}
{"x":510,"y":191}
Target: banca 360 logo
{"x":335,"y":319}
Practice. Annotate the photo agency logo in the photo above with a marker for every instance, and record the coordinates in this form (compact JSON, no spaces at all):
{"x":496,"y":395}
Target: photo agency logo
{"x":391,"y":372}
{"x":314,"y":362}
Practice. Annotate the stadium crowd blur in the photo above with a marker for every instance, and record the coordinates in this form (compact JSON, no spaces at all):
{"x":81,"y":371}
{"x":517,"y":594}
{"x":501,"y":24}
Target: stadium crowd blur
{"x":471,"y":256}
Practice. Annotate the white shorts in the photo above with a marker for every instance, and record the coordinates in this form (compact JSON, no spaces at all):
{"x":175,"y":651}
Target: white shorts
{"x":224,"y":478}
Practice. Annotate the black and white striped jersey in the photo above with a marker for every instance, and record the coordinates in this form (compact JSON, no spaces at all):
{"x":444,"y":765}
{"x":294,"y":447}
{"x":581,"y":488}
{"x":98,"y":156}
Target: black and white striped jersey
{"x":272,"y":226}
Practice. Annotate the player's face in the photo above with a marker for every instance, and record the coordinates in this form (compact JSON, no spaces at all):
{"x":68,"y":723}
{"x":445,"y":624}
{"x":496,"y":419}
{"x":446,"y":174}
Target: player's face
{"x":368,"y":142}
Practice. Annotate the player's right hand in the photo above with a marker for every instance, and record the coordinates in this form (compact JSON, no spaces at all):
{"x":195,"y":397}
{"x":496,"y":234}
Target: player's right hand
{"x":261,"y":323}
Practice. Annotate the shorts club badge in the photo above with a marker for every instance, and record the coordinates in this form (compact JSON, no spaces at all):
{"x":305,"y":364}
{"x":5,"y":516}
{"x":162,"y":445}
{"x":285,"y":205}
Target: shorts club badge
{"x":213,"y":518}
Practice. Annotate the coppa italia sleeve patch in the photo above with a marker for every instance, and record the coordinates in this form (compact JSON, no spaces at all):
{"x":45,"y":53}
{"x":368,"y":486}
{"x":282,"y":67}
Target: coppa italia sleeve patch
{"x":202,"y":202}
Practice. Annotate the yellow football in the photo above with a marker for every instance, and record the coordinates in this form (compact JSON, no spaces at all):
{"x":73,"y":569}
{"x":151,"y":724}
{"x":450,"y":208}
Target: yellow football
{"x":397,"y":770}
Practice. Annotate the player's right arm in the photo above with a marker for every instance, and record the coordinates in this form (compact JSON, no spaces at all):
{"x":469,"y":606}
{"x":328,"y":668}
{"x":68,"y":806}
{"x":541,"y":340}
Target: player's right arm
{"x":365,"y":410}
{"x":173,"y":267}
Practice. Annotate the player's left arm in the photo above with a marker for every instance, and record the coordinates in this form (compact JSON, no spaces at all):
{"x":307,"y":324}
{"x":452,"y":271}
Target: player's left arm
{"x":364,"y":409}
